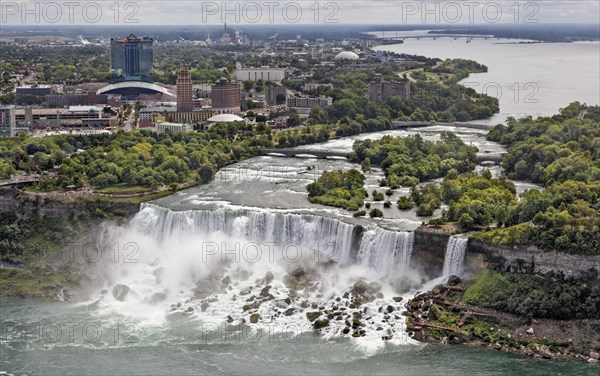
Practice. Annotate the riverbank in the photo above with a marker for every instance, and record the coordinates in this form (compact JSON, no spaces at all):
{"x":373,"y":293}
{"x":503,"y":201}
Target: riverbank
{"x":441,"y":316}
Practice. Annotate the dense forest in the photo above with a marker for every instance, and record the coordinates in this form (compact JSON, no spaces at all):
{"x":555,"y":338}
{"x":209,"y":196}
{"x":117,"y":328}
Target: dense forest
{"x":143,"y":158}
{"x":562,"y":153}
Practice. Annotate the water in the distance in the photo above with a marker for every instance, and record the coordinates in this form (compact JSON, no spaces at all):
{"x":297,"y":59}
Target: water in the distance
{"x":528,"y":79}
{"x":454,"y":261}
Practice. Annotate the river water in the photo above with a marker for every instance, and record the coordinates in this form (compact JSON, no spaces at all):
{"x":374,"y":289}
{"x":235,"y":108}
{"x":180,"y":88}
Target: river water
{"x":528,"y":79}
{"x":194,"y":265}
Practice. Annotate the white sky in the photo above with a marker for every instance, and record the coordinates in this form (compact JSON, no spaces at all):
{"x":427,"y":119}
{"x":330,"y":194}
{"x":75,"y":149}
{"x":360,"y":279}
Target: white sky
{"x":198,"y":12}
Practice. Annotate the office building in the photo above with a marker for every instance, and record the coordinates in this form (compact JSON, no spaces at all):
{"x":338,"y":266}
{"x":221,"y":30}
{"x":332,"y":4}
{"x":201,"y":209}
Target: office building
{"x":274,"y":93}
{"x":260,"y":74}
{"x":131,"y":59}
{"x":226,"y":97}
{"x":185,"y":92}
{"x":7,"y":121}
{"x":381,"y":90}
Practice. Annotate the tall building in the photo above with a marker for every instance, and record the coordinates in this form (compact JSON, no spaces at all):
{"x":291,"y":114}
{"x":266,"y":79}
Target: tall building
{"x":381,"y":90}
{"x":185,"y":92}
{"x":276,"y":92}
{"x":7,"y":121}
{"x":226,"y":97}
{"x":131,"y":59}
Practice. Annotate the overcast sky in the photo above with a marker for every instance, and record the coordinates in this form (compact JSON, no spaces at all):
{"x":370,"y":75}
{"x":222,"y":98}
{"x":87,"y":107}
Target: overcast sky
{"x":197,"y":12}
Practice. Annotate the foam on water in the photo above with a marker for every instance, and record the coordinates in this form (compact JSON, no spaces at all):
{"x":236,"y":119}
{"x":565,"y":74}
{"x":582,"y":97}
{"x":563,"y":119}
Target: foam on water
{"x":212,"y":265}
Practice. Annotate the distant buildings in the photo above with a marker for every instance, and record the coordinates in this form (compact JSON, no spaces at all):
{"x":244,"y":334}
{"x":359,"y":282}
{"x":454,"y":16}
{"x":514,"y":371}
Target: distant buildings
{"x":304,"y":104}
{"x":173,"y":127}
{"x":262,"y":73}
{"x":7,"y":121}
{"x":73,"y":117}
{"x":315,"y":86}
{"x":131,"y":59}
{"x":76,"y":99}
{"x":226,"y":97}
{"x":185,"y":92}
{"x":276,"y":95}
{"x":36,"y":90}
{"x":381,"y":90}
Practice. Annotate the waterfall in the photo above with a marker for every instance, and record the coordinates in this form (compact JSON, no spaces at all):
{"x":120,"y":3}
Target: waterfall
{"x":387,"y":252}
{"x":454,"y":262}
{"x":331,"y":238}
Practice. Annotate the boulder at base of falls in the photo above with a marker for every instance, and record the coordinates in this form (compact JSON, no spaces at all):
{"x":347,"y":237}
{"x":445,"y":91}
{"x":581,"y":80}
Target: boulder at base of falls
{"x":594,"y":355}
{"x":360,"y":287}
{"x":120,"y":292}
{"x":454,"y":280}
{"x":269,"y":277}
{"x":318,"y":324}
{"x":397,"y":299}
{"x":373,"y":288}
{"x":312,"y":316}
{"x":158,"y":297}
{"x":254,"y":318}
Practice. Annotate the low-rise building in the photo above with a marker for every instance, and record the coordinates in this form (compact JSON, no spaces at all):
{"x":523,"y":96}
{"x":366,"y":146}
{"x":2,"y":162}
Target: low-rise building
{"x":173,"y":127}
{"x":381,"y":90}
{"x":260,"y":74}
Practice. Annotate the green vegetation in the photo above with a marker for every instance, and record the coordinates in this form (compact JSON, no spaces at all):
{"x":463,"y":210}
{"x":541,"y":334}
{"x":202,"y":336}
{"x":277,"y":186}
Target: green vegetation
{"x":338,"y":188}
{"x":376,"y":213}
{"x":533,"y":296}
{"x":478,"y":200}
{"x":133,"y":161}
{"x":405,"y":203}
{"x":563,"y":154}
{"x":427,"y":198}
{"x":409,"y":160}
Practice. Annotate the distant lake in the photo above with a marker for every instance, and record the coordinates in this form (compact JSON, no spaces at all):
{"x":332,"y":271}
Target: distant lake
{"x":528,"y":79}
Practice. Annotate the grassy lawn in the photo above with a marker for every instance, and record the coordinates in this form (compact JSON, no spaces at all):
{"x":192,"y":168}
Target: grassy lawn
{"x":123,"y":188}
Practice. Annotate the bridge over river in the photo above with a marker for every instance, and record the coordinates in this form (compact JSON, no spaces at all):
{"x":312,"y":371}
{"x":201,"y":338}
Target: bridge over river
{"x":495,"y":158}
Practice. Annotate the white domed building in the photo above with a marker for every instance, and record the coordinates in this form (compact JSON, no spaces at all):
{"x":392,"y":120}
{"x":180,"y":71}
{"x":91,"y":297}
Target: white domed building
{"x":225,"y":118}
{"x":346,"y":55}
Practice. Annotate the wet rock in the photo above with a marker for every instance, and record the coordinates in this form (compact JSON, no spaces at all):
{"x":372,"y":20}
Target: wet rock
{"x":397,"y":299}
{"x":390,"y":309}
{"x":346,"y":330}
{"x":312,"y":316}
{"x":373,"y":287}
{"x":104,"y":292}
{"x":360,"y":287}
{"x":379,"y":328}
{"x":289,"y":311}
{"x":120,"y":292}
{"x":269,"y":277}
{"x":265,"y":291}
{"x":254,"y":318}
{"x":304,"y":304}
{"x":157,"y":297}
{"x":225,"y":281}
{"x":454,"y":280}
{"x":246,"y":307}
{"x":288,"y":300}
{"x":592,"y":361}
{"x":204,"y":306}
{"x":314,"y":306}
{"x":321,"y":323}
{"x":595,"y":355}
{"x":434,"y":313}
{"x":158,"y":273}
{"x":229,"y":319}
{"x":439,"y":289}
{"x":530,"y":331}
{"x":189,"y":309}
{"x":379,"y":295}
{"x":297,"y":273}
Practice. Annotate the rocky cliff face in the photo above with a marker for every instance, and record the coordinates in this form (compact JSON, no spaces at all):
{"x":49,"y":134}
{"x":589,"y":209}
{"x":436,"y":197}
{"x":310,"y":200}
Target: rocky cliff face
{"x":529,"y":259}
{"x":429,"y":251}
